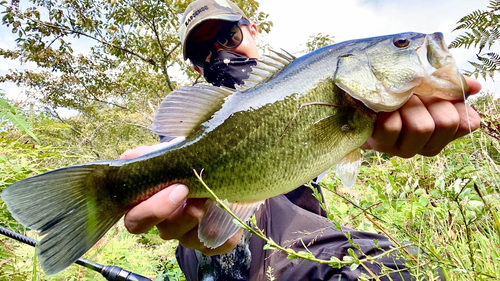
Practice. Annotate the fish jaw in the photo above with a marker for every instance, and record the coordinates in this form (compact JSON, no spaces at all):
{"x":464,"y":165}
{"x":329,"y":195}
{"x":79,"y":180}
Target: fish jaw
{"x":443,"y":80}
{"x":385,"y":74}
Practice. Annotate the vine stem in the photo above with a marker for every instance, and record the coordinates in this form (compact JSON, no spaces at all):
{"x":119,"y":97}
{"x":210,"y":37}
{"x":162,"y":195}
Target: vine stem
{"x":292,"y":254}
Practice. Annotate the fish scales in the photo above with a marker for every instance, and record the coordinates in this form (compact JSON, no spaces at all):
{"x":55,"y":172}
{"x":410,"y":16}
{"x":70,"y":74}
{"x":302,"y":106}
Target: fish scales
{"x":253,"y":136}
{"x":252,"y":149}
{"x":301,"y":117}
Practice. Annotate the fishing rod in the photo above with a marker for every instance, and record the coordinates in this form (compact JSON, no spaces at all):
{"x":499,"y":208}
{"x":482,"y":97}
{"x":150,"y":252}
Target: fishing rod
{"x":110,"y":272}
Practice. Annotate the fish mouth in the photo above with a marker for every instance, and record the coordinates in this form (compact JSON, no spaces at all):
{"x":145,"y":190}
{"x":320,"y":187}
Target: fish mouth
{"x":442,"y":72}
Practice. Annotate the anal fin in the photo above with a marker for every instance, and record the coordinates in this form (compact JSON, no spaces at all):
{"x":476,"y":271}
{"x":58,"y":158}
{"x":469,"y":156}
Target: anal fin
{"x":347,"y":169}
{"x":217,"y":225}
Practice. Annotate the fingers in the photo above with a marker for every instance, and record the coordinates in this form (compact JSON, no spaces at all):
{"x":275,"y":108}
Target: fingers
{"x":452,"y":120}
{"x":446,"y":119}
{"x":423,"y":125}
{"x":183,"y":221}
{"x":386,"y":132}
{"x":405,"y":132}
{"x":469,"y":120}
{"x":141,"y":150}
{"x":183,"y":226}
{"x":191,"y":241}
{"x":156,"y":209}
{"x":175,"y":218}
{"x":474,"y":86}
{"x":418,"y":127}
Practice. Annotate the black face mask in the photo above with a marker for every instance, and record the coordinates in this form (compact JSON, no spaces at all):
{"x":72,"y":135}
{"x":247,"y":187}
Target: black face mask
{"x":228,"y":69}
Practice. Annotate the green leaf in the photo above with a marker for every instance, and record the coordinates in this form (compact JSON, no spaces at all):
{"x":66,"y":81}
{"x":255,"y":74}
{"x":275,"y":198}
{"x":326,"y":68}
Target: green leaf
{"x":10,"y":114}
{"x":305,"y":254}
{"x":351,"y":252}
{"x":423,"y":201}
{"x":482,"y":30}
{"x":269,"y":247}
{"x":334,"y":259}
{"x":236,"y":222}
{"x":348,"y":259}
{"x":354,"y":266}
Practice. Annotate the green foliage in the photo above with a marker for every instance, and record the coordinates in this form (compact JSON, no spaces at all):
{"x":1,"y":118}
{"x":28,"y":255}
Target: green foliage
{"x":430,"y":202}
{"x":483,"y":31}
{"x":446,"y":205}
{"x":20,"y":157}
{"x":11,"y":114}
{"x":6,"y":256}
{"x":61,"y":146}
{"x":318,"y":41}
{"x":133,"y":52}
{"x":117,"y":247}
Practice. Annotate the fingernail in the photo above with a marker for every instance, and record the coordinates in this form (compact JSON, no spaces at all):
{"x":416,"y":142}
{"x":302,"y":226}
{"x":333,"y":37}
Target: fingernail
{"x":178,"y":194}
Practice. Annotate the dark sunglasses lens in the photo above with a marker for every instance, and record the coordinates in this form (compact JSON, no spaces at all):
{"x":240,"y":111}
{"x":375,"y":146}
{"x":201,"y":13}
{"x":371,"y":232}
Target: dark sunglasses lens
{"x":231,"y":37}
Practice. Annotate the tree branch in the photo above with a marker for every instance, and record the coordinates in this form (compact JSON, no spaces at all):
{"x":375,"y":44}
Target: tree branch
{"x":72,"y":31}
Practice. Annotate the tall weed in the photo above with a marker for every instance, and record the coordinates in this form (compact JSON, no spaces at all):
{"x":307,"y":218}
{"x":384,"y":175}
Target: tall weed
{"x":445,"y":205}
{"x":62,"y":144}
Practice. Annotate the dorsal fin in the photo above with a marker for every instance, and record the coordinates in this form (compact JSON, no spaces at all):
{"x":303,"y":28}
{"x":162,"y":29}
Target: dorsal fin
{"x":186,"y":108}
{"x":266,"y":68}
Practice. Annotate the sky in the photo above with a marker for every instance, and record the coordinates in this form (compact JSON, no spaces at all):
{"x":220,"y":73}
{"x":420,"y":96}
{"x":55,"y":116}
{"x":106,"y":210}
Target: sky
{"x":343,"y":19}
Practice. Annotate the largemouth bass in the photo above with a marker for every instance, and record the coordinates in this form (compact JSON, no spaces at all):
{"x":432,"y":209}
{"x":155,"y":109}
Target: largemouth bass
{"x":292,"y":120}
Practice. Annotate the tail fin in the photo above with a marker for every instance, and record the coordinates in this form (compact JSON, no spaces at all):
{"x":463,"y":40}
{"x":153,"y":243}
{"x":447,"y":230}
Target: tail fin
{"x":65,"y":205}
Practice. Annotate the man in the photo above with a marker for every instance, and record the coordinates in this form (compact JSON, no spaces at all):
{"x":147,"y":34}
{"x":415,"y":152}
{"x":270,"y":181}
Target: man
{"x":220,"y":41}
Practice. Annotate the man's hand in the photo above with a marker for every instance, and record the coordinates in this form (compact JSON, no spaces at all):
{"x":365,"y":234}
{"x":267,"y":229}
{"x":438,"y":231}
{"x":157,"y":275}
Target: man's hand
{"x":175,"y":216}
{"x":424,"y":125}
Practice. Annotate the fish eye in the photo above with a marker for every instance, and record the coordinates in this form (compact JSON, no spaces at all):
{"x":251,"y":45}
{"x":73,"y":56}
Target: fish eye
{"x":401,"y":42}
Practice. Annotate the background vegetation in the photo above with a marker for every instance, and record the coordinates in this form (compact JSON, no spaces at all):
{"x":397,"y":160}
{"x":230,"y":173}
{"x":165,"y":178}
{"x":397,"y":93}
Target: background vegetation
{"x":446,"y":205}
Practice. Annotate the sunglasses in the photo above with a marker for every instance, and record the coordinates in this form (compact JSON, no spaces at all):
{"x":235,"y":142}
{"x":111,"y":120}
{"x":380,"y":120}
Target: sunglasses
{"x":229,"y":37}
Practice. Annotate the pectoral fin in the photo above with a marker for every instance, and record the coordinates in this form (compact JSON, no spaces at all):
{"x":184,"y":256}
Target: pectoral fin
{"x":217,"y":225}
{"x":348,"y":167}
